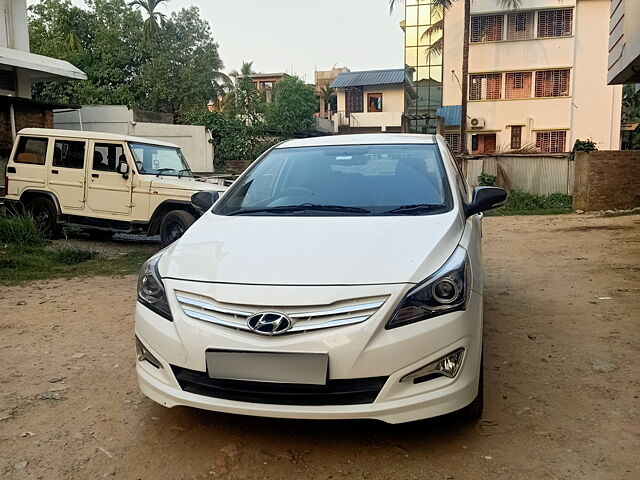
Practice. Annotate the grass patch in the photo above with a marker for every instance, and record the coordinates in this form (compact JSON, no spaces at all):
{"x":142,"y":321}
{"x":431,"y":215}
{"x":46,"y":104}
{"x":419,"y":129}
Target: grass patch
{"x":20,"y":230}
{"x":523,"y":203}
{"x":74,"y":255}
{"x":25,"y":256}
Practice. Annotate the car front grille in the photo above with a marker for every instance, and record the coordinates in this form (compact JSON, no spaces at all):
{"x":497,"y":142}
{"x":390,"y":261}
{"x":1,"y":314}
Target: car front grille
{"x":304,"y":318}
{"x":353,"y":391}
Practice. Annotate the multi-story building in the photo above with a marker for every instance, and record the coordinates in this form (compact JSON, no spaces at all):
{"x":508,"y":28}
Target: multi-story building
{"x":537,"y":75}
{"x":624,"y":42}
{"x":371,"y":101}
{"x":266,"y":83}
{"x":322,"y":80}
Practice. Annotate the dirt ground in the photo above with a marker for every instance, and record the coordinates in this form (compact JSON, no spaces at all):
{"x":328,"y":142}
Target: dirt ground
{"x":562,"y":337}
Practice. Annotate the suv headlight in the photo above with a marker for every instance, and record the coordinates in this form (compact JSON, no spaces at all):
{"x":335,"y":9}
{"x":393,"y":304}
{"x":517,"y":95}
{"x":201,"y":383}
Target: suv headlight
{"x":445,"y":291}
{"x":151,"y":292}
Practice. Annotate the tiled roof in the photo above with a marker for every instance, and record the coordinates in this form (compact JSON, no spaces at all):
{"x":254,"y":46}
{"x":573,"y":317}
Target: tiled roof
{"x":369,"y":77}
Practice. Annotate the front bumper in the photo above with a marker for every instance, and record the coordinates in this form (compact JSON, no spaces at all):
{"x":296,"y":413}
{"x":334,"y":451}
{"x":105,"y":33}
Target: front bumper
{"x":357,"y":351}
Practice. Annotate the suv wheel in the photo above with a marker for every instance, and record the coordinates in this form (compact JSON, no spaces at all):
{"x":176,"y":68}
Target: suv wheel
{"x":174,"y":224}
{"x":45,"y":215}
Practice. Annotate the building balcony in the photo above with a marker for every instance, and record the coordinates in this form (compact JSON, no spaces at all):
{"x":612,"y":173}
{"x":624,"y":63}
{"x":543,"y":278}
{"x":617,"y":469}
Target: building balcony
{"x":368,"y":120}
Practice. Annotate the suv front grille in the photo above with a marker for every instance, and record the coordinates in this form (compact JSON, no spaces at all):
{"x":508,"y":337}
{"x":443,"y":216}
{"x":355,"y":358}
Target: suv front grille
{"x":347,"y":312}
{"x":352,"y":391}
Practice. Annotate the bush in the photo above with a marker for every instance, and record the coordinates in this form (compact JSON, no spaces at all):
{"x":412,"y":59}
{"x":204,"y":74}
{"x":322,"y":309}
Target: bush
{"x":74,"y":255}
{"x":523,"y":201}
{"x":20,"y":230}
{"x":487,"y":180}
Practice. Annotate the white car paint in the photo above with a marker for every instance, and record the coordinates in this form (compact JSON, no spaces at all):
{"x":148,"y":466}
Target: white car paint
{"x":291,"y":264}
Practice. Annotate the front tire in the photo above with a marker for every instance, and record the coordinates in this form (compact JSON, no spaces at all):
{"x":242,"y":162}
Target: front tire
{"x":174,"y":224}
{"x":45,"y":216}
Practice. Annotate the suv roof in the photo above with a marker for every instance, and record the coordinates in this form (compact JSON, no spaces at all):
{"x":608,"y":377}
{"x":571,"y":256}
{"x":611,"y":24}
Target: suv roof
{"x":55,"y":132}
{"x":360,"y":139}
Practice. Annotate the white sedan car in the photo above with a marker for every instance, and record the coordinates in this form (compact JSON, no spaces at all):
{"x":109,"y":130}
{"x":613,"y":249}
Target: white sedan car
{"x":338,"y":278}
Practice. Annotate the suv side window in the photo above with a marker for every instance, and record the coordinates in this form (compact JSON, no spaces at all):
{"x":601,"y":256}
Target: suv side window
{"x":32,"y":150}
{"x":106,"y":156}
{"x":68,"y":154}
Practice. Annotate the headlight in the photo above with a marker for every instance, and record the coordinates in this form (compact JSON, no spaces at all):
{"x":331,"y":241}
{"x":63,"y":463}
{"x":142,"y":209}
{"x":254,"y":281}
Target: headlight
{"x":151,"y":291}
{"x":443,"y":292}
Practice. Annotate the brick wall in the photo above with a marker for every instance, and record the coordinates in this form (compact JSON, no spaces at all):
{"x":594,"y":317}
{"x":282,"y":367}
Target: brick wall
{"x":607,"y":180}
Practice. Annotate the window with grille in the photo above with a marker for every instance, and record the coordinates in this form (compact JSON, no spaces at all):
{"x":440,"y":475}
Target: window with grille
{"x":486,"y":28}
{"x":551,"y":142}
{"x":518,"y":85}
{"x":516,"y":137}
{"x":552,"y":83}
{"x":7,"y":80}
{"x":486,"y":86}
{"x":519,"y":25}
{"x":555,"y":23}
{"x":453,"y":139}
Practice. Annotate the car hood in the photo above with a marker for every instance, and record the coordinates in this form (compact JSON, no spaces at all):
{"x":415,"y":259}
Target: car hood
{"x":313,"y":250}
{"x":183,"y":183}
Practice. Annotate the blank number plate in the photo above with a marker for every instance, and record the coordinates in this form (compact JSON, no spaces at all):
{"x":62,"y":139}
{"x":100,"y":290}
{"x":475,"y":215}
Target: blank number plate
{"x":302,"y":368}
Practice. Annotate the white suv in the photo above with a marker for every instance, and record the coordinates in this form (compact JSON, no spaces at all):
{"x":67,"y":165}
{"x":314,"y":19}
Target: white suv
{"x":339,"y":277}
{"x":102,"y":182}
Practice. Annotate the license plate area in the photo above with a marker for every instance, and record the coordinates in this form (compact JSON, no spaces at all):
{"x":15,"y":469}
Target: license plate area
{"x":269,"y":367}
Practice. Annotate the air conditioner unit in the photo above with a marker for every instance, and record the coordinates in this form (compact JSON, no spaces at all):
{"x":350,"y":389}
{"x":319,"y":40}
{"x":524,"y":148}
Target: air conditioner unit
{"x":477,"y":122}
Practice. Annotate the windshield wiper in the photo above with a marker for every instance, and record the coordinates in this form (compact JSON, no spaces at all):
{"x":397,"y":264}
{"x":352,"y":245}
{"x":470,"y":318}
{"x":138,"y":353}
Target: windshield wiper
{"x":302,"y":208}
{"x":159,"y":171}
{"x":184,"y":170}
{"x":418,"y":208}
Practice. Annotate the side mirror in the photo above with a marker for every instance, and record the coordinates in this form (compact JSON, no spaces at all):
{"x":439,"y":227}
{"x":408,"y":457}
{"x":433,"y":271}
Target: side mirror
{"x":485,"y":198}
{"x":203,"y":201}
{"x":123,"y":169}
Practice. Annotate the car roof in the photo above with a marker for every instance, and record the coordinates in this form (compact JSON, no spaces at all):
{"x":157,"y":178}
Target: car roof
{"x":360,"y":139}
{"x":56,"y":132}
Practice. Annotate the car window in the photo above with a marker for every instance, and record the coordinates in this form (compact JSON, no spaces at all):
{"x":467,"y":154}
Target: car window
{"x":68,"y":154}
{"x":461,"y":181}
{"x":375,"y":178}
{"x":32,"y":150}
{"x":159,"y":160}
{"x":106,"y":156}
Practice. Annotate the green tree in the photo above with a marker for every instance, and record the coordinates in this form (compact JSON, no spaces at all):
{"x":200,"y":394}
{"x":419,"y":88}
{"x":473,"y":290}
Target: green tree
{"x":184,"y":62}
{"x":438,"y":47}
{"x":293,"y":108}
{"x":155,"y":20}
{"x":631,"y":114}
{"x":245,"y":70}
{"x":108,"y":34}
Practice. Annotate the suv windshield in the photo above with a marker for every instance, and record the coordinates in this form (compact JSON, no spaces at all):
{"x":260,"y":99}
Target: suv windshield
{"x":159,"y":160}
{"x":342,"y":180}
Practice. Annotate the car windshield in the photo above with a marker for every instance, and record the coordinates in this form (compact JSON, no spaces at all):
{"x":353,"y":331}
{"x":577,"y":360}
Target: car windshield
{"x":160,"y":160}
{"x":342,"y":180}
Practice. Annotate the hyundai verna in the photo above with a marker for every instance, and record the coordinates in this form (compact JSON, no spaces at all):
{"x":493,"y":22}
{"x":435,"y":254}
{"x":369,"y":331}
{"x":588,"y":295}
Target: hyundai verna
{"x":339,"y":277}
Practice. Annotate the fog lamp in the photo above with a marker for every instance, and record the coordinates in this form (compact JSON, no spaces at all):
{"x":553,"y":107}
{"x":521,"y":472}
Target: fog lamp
{"x":447,"y":366}
{"x":145,"y":355}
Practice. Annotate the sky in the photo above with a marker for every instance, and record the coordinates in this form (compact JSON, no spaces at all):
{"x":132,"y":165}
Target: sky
{"x":300,"y":36}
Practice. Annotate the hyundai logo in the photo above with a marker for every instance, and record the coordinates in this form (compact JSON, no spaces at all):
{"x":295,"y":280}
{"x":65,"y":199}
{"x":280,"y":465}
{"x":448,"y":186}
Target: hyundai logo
{"x":269,"y":323}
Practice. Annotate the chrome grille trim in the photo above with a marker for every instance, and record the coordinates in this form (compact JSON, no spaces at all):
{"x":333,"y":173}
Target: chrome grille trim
{"x":237,"y":319}
{"x":339,"y":310}
{"x":212,"y":308}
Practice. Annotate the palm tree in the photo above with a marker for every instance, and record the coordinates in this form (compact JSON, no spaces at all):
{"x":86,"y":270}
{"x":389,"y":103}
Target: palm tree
{"x":155,"y":20}
{"x":245,"y":71}
{"x":327,"y":94}
{"x":438,"y":46}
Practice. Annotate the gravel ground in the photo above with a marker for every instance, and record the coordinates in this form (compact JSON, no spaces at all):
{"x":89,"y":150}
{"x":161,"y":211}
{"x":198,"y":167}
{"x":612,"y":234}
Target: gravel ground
{"x":562,"y":298}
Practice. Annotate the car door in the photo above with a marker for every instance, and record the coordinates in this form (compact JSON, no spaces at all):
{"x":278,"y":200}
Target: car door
{"x":108,"y":192}
{"x":67,"y":174}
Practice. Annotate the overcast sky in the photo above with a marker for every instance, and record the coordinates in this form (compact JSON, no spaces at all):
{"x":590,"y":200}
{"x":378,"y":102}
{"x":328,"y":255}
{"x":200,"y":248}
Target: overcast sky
{"x":298,"y":36}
